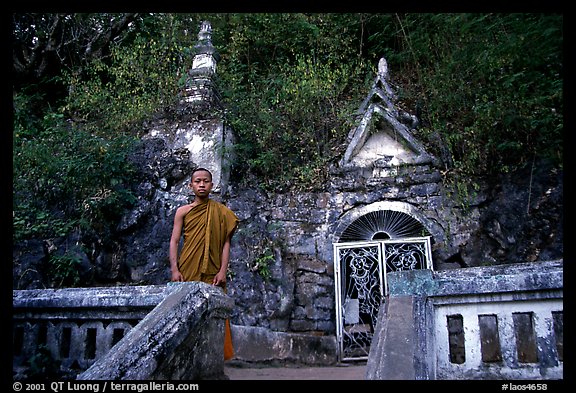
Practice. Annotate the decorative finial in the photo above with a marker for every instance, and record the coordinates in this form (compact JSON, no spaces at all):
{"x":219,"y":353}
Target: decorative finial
{"x":383,"y":68}
{"x":205,"y":31}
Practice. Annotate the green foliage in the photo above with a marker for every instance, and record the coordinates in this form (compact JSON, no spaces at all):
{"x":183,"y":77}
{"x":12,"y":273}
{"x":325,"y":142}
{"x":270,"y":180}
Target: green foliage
{"x":291,"y":108}
{"x":261,"y":249}
{"x":262,"y":264}
{"x":29,"y":222}
{"x":63,"y":270}
{"x":119,"y":93}
{"x":65,"y":177}
{"x":264,"y":257}
{"x":491,"y":84}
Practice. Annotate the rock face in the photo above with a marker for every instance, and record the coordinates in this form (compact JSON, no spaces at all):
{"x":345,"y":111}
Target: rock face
{"x":281,"y":270}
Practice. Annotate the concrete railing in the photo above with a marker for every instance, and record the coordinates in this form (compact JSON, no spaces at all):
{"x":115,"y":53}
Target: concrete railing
{"x":141,"y":332}
{"x":499,"y":322}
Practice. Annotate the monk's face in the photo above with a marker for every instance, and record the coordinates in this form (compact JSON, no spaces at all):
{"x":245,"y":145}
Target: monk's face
{"x":201,"y":184}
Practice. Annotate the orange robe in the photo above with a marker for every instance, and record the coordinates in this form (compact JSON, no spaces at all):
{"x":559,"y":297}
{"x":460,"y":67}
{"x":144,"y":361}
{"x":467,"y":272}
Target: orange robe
{"x":206,"y":228}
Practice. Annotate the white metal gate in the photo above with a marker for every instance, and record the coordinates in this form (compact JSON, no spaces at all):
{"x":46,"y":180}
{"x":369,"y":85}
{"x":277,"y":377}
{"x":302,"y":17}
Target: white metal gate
{"x":360,"y":286}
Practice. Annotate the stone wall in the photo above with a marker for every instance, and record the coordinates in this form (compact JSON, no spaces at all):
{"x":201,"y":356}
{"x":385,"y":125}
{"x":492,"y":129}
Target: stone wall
{"x":299,"y":231}
{"x":122,"y":333}
{"x":501,"y":322}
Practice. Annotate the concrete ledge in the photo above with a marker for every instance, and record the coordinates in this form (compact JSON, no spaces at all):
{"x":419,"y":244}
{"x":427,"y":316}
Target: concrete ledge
{"x":181,"y":338}
{"x":477,"y":280}
{"x":260,"y":345}
{"x":123,"y":296}
{"x":411,"y":336}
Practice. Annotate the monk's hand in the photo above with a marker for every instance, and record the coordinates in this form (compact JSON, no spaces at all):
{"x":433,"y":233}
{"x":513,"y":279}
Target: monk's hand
{"x":177,"y":276}
{"x":219,"y":279}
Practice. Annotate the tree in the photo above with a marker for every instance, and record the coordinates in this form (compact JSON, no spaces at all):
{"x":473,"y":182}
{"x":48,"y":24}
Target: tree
{"x":44,"y":44}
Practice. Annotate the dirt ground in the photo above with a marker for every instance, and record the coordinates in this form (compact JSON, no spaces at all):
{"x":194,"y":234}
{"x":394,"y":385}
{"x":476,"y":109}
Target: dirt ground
{"x":339,"y":372}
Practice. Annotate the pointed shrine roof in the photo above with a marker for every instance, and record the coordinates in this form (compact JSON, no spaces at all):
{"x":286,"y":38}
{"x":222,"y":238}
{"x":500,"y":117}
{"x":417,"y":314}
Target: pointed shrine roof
{"x":380,"y":138}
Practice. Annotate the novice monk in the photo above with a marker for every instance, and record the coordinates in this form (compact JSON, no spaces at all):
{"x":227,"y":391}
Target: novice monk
{"x":207,"y":227}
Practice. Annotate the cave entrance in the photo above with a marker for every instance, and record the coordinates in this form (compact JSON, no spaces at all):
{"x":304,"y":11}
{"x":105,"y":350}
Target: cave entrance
{"x":373,"y":245}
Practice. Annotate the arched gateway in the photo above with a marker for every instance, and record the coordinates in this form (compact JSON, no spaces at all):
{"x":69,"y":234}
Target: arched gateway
{"x":371,"y":241}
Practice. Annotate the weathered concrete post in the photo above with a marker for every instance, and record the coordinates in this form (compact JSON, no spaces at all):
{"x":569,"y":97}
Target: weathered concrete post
{"x":180,"y":339}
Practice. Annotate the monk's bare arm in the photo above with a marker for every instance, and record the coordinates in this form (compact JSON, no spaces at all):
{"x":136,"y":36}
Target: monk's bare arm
{"x":220,"y":278}
{"x":174,"y":242}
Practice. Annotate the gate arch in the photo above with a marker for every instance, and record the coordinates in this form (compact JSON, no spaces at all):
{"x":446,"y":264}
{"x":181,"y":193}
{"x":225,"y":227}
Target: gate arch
{"x":369,"y":242}
{"x":385,"y":219}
